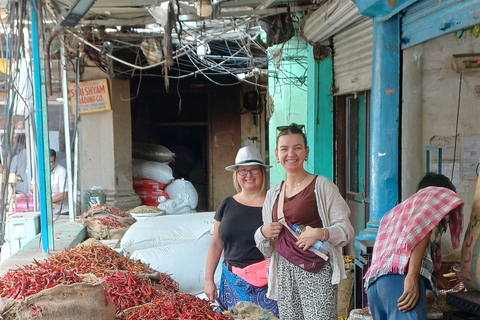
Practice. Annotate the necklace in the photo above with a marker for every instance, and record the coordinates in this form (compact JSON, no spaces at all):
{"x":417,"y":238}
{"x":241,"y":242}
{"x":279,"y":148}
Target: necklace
{"x":295,"y":185}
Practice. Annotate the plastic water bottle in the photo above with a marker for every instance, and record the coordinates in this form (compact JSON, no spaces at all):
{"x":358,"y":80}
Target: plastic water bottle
{"x":322,"y":246}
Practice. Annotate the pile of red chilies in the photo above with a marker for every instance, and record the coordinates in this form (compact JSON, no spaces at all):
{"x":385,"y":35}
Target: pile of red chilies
{"x":175,"y":306}
{"x":111,"y":210}
{"x":126,"y":288}
{"x":98,"y":260}
{"x":20,"y":283}
{"x":129,"y":290}
{"x":110,"y":222}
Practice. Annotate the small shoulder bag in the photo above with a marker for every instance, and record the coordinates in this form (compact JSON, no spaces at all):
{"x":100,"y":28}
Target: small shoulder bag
{"x":311,"y":260}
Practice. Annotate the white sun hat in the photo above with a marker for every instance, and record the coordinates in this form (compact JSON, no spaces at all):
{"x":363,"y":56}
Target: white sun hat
{"x":247,"y":156}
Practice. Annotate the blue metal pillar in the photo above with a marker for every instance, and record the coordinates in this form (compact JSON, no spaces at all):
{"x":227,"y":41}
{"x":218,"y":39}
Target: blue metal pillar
{"x":41,"y":122}
{"x":384,"y":123}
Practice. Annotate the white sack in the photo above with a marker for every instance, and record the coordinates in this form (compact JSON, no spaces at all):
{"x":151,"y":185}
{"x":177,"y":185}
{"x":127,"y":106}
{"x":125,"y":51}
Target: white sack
{"x":152,"y":170}
{"x":165,"y":230}
{"x":181,"y":189}
{"x":174,"y":206}
{"x":183,"y":261}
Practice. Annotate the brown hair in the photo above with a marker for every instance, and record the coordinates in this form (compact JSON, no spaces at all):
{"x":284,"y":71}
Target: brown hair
{"x":293,"y":128}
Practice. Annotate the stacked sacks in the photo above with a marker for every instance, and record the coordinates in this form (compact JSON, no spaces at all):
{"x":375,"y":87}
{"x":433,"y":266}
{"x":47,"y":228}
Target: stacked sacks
{"x":174,"y":244}
{"x":149,"y":191}
{"x":151,"y":172}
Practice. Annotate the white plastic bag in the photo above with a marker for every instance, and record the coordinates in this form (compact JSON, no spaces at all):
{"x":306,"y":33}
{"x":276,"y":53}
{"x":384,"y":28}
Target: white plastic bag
{"x":165,"y":230}
{"x":174,"y":206}
{"x":182,"y":189}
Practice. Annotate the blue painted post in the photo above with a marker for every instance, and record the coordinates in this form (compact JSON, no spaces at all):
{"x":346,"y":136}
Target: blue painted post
{"x":384,"y":123}
{"x":46,"y":221}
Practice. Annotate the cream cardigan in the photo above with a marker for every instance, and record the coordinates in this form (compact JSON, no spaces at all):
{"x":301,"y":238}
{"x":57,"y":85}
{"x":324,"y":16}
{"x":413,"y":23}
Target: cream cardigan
{"x":334,"y":213}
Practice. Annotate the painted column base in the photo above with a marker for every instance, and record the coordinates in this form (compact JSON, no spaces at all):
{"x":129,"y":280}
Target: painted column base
{"x":369,"y":233}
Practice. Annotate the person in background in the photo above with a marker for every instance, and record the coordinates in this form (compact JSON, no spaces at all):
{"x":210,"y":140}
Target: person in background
{"x":244,"y":269}
{"x":19,"y":164}
{"x":304,"y":285}
{"x":58,"y":176}
{"x":407,"y":249}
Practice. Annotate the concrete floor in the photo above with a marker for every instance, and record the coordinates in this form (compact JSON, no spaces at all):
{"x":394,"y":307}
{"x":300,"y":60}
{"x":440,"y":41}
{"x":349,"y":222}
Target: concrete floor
{"x":66,"y":235}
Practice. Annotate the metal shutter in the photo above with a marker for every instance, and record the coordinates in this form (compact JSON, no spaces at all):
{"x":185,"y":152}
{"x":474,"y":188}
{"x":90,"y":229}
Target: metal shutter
{"x":352,"y":57}
{"x":429,"y":19}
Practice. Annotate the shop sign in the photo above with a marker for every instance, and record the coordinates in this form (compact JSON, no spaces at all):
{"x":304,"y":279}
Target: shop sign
{"x":93,"y":96}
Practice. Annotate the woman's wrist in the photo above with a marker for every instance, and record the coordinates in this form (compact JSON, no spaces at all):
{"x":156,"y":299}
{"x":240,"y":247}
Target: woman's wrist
{"x":326,"y":234}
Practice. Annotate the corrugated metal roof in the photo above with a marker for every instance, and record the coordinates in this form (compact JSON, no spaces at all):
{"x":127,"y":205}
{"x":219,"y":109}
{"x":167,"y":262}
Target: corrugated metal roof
{"x":332,"y":17}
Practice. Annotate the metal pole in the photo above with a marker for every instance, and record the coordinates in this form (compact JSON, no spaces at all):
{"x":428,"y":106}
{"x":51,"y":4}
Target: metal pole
{"x":66,"y":125}
{"x":41,"y":118}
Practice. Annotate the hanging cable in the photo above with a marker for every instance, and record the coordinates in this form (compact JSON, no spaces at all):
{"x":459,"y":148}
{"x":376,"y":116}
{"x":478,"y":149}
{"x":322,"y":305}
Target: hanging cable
{"x":456,"y":125}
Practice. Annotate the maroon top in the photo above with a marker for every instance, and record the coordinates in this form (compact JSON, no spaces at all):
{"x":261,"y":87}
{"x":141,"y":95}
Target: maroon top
{"x":301,"y":208}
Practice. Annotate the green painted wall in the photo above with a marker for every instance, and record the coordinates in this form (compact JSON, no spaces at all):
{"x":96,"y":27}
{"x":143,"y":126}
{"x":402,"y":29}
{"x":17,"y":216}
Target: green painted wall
{"x":300,"y":89}
{"x":288,"y":88}
{"x":320,"y":116}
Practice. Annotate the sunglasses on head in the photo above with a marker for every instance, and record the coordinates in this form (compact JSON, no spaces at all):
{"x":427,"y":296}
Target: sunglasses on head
{"x":283,"y":128}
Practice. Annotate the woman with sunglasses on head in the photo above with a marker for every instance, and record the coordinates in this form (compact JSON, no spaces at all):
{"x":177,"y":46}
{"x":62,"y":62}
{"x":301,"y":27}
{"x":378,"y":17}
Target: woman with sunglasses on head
{"x":244,"y":269}
{"x":302,"y":282}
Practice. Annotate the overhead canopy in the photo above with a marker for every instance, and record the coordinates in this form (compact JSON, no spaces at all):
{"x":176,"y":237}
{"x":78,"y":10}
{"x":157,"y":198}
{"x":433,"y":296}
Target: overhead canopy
{"x":332,"y":17}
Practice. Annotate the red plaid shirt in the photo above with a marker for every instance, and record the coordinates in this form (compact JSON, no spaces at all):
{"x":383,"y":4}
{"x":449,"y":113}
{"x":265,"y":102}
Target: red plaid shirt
{"x":403,"y":227}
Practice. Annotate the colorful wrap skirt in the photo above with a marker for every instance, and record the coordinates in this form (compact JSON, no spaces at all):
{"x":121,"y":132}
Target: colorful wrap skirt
{"x":234,"y":289}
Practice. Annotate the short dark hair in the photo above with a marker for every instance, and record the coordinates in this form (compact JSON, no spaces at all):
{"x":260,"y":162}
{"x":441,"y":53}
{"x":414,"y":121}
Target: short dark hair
{"x":53,"y":154}
{"x":293,"y":128}
{"x":432,"y":179}
{"x":21,"y":139}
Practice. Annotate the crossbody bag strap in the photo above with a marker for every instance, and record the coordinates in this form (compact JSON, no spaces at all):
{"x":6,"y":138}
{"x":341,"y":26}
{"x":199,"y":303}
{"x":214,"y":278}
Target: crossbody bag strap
{"x":281,"y":219}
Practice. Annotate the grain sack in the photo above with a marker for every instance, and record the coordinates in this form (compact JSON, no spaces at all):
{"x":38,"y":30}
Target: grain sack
{"x":77,"y":301}
{"x":163,"y":230}
{"x":184,"y":261}
{"x":151,"y":151}
{"x":152,"y":170}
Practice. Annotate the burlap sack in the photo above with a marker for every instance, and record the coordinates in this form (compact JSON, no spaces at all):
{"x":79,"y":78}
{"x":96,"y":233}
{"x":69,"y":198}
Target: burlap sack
{"x":345,"y":292}
{"x":97,"y":230}
{"x":249,"y":311}
{"x":77,"y":301}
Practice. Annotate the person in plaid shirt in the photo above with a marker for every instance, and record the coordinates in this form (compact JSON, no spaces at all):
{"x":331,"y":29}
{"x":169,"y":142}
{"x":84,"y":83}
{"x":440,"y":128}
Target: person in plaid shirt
{"x":407,"y":250}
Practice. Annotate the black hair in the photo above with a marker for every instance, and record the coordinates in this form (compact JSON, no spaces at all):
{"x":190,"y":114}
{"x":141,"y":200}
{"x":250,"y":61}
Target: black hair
{"x":432,"y":179}
{"x":293,"y":128}
{"x":21,"y":139}
{"x":53,"y":154}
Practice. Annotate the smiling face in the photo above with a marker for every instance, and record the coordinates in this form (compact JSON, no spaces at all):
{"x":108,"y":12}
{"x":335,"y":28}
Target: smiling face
{"x":291,"y":152}
{"x":250,"y":178}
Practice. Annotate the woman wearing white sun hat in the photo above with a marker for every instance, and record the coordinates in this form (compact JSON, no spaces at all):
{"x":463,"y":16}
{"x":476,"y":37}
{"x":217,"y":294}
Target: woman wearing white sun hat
{"x":244,"y":267}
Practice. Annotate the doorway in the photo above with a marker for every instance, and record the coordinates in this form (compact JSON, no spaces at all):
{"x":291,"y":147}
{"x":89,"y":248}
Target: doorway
{"x":178,"y":121}
{"x":352,"y":138}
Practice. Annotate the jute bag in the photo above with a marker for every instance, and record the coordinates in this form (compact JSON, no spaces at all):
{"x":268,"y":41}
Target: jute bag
{"x":76,"y":301}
